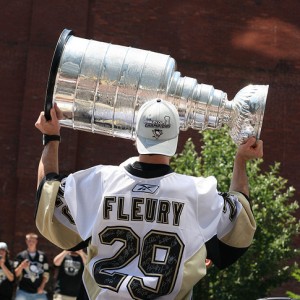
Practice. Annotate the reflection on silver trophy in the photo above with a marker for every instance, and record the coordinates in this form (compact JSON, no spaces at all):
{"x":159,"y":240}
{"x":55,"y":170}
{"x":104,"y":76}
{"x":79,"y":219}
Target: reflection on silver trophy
{"x":100,"y":87}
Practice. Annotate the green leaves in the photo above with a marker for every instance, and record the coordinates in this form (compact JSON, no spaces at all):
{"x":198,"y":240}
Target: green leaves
{"x":188,"y":161}
{"x":296,"y":275}
{"x":269,"y":261}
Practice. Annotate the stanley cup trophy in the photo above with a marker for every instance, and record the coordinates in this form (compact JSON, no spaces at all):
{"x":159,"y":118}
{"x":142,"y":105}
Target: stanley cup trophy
{"x":99,"y":87}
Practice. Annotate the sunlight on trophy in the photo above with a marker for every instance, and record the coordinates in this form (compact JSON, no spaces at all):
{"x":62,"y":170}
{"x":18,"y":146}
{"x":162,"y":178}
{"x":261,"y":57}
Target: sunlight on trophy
{"x":100,"y":87}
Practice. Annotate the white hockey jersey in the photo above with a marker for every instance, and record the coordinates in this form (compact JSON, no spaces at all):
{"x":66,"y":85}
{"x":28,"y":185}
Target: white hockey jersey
{"x":149,"y":232}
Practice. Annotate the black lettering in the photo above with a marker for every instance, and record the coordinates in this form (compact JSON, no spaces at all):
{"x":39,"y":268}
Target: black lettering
{"x":136,"y":209}
{"x":230,"y":202}
{"x":107,"y":206}
{"x":58,"y":202}
{"x":121,"y":214}
{"x":177,"y":210}
{"x":66,"y":212}
{"x":150,"y":209}
{"x":163,"y":212}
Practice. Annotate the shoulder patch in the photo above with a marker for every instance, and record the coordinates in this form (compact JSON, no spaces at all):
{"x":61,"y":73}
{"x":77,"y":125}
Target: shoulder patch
{"x":229,"y":202}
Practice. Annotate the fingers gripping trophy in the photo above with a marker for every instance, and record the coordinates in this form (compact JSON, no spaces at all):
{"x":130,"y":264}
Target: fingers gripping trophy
{"x":99,"y":87}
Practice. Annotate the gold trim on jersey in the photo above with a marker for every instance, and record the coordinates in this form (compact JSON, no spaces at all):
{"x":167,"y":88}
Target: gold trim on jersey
{"x":48,"y":225}
{"x":194,"y":270}
{"x":91,"y":286}
{"x":242,"y":234}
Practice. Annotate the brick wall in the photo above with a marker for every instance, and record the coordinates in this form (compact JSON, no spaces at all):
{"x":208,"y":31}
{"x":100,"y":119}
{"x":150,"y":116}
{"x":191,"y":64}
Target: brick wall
{"x":227,"y":44}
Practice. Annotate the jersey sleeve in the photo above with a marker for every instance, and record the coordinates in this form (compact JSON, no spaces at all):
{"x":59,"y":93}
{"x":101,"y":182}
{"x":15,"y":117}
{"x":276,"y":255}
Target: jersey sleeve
{"x":52,"y":216}
{"x":240,"y":231}
{"x":227,"y":223}
{"x":83,"y":194}
{"x":227,"y":248}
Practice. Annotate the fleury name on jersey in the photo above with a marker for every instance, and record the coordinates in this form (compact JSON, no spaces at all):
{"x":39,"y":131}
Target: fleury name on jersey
{"x":143,"y":209}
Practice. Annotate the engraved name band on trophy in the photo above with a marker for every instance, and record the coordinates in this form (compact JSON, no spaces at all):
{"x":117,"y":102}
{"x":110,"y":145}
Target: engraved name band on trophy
{"x":99,"y":87}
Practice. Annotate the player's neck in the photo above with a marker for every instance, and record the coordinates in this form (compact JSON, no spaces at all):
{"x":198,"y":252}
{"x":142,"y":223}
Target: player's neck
{"x":154,"y":159}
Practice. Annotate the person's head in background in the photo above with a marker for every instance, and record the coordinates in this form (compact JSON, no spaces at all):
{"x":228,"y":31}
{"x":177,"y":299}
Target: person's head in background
{"x":4,"y":253}
{"x":31,"y":241}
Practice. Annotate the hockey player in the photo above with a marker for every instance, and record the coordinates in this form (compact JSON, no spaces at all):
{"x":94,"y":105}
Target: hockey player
{"x":149,"y":231}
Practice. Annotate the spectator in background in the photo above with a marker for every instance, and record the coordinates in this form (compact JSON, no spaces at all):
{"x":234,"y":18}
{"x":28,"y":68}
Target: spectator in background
{"x":6,"y":273}
{"x":69,"y":277}
{"x":32,"y":270}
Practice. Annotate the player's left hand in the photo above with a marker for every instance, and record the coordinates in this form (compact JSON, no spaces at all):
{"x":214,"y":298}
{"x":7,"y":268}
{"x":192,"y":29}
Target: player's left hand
{"x":251,"y":149}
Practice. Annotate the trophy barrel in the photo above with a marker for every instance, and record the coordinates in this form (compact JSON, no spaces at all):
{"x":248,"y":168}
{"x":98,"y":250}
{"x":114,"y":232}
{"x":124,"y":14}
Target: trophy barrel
{"x":99,"y":87}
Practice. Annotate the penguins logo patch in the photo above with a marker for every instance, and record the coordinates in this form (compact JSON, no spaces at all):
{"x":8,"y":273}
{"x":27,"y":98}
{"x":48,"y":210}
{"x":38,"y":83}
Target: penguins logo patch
{"x":157,"y":133}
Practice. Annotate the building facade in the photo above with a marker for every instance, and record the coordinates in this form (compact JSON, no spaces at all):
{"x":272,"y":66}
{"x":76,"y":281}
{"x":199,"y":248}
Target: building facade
{"x":227,"y":44}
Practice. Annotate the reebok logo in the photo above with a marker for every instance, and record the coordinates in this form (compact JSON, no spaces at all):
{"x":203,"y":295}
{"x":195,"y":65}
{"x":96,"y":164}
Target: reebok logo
{"x":145,"y":188}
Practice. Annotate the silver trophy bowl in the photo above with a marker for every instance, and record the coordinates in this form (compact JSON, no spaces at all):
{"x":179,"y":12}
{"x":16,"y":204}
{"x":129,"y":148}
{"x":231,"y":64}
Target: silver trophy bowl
{"x":99,"y":87}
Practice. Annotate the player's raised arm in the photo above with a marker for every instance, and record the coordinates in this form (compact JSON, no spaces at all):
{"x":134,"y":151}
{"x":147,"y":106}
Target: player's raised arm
{"x":51,"y":131}
{"x":249,"y":150}
{"x":54,"y":223}
{"x":237,"y":215}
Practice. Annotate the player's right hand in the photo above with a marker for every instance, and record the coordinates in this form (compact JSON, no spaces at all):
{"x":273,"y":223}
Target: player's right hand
{"x":50,"y":127}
